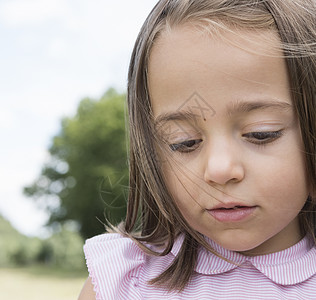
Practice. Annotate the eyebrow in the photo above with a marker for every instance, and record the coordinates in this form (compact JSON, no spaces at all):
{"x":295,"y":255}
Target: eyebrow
{"x":237,"y":107}
{"x":246,"y":107}
{"x":175,"y":116}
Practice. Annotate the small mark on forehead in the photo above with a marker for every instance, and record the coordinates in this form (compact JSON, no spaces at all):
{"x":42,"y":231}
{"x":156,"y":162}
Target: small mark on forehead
{"x":193,"y":108}
{"x":195,"y":103}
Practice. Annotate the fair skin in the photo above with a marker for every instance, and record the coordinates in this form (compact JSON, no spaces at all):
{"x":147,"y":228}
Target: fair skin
{"x":236,"y":166}
{"x":87,"y":292}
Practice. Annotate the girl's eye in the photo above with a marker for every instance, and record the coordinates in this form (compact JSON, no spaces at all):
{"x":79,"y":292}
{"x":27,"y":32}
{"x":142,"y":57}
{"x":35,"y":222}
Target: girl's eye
{"x":263,"y":137}
{"x":186,"y":146}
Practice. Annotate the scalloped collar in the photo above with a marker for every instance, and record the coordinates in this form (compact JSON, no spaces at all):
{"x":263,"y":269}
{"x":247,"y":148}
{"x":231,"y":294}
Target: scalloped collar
{"x":290,"y":266}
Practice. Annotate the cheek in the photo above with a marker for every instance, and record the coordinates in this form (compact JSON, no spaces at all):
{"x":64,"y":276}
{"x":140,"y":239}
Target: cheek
{"x":184,"y":187}
{"x":284,"y":183}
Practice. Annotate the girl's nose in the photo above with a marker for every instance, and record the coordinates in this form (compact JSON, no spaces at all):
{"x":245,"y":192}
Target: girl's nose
{"x":223,"y":164}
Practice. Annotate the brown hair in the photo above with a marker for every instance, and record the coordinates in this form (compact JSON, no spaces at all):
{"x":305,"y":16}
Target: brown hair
{"x":152,"y":215}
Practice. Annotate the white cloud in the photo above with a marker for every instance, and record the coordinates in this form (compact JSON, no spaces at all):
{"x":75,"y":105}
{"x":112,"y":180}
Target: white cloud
{"x":8,"y":119}
{"x":58,"y":48}
{"x":22,"y":12}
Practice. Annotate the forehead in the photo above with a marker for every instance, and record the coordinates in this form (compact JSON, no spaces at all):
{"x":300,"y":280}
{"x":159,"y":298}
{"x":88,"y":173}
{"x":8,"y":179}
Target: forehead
{"x":229,"y":66}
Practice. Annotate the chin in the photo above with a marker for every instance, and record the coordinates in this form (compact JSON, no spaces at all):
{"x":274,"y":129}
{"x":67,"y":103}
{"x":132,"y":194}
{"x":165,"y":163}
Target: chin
{"x":244,"y":247}
{"x":240,"y":248}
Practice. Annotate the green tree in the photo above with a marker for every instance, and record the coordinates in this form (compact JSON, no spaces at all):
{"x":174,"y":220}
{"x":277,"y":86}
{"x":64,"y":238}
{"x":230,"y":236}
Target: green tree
{"x":16,"y":249}
{"x":86,"y":174}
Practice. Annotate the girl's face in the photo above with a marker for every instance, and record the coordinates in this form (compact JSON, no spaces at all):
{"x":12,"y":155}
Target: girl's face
{"x":235,"y":160}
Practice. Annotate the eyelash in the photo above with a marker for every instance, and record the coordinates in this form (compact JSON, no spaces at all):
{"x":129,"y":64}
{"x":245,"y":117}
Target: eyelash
{"x":186,"y":146}
{"x":257,"y":138}
{"x":263,"y":137}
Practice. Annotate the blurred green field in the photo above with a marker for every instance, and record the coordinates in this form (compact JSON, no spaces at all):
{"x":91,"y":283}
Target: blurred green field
{"x":40,"y":283}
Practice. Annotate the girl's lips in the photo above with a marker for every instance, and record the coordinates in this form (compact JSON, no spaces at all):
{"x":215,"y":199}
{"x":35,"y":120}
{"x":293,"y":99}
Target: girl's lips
{"x":234,"y":214}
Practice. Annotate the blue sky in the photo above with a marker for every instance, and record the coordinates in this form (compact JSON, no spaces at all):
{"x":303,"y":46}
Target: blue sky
{"x":54,"y":53}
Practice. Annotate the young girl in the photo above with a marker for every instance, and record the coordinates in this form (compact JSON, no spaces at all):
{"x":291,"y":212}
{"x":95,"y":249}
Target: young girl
{"x":222,"y":124}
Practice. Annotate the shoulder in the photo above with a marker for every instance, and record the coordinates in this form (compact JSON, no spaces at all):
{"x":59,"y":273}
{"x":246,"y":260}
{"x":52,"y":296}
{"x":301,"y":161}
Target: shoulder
{"x":109,"y":247}
{"x":114,"y":264}
{"x":87,"y":292}
{"x":111,"y":242}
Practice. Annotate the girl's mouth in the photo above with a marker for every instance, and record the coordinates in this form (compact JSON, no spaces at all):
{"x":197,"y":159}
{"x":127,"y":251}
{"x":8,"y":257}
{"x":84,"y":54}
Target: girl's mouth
{"x":232,"y":214}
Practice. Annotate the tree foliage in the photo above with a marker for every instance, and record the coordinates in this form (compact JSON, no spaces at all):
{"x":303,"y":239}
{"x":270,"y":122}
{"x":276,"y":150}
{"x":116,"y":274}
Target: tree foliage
{"x":86,"y":174}
{"x":62,"y":250}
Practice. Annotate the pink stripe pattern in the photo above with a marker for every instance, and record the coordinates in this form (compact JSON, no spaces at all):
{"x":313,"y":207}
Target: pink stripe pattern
{"x":119,"y":269}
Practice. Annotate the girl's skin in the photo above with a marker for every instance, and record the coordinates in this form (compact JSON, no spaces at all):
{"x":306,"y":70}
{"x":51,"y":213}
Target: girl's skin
{"x":249,"y":153}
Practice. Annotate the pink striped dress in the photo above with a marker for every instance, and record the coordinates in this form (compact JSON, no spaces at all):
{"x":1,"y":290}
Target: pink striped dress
{"x":120,"y":270}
